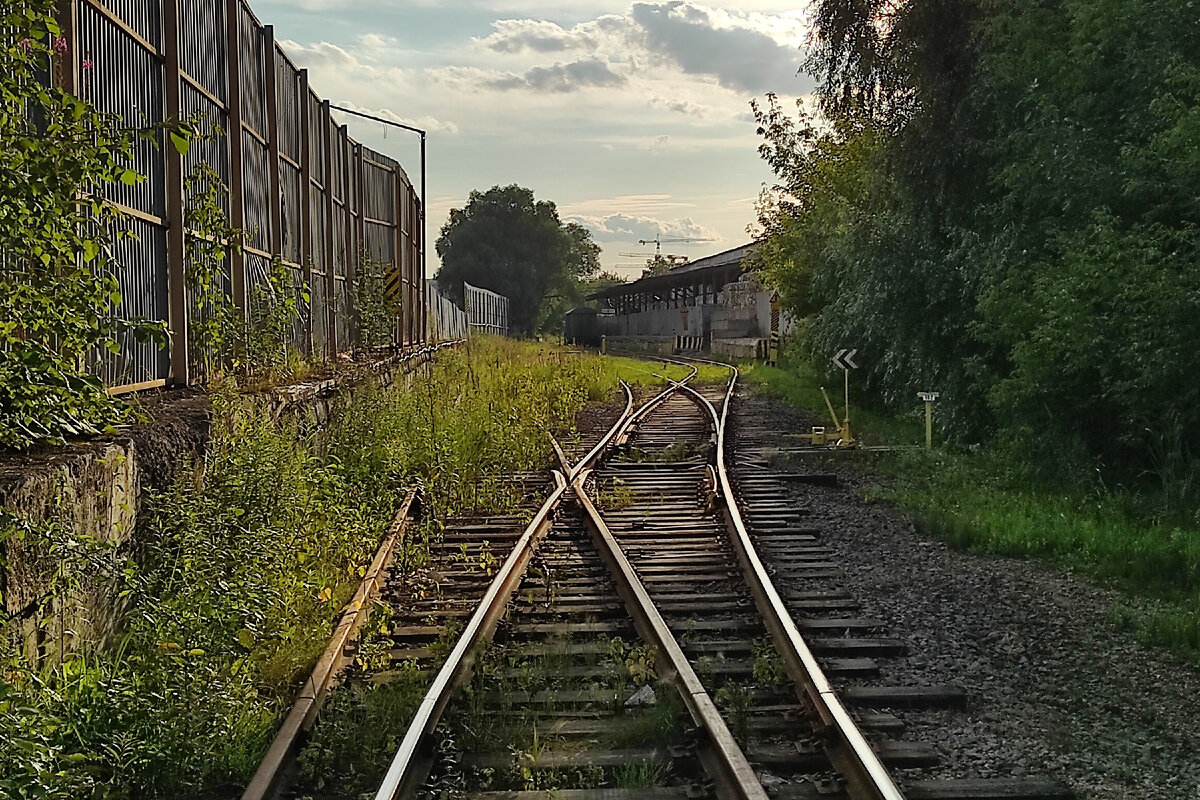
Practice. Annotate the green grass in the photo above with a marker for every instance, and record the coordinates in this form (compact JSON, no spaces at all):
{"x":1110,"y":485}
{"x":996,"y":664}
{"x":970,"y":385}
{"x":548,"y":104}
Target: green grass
{"x":639,"y":774}
{"x":989,"y":501}
{"x":647,"y":373}
{"x":357,"y":734}
{"x":800,"y":385}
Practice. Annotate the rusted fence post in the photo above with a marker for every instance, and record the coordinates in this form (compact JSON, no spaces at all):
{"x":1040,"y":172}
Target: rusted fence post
{"x":360,"y":239}
{"x":68,"y":21}
{"x":306,"y":246}
{"x":178,"y":317}
{"x":400,"y":257}
{"x":346,"y":148}
{"x":272,"y":134}
{"x":326,"y":123}
{"x":233,"y":110}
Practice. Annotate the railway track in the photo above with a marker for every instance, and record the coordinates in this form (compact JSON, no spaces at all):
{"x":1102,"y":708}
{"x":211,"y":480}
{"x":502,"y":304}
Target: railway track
{"x":631,"y":642}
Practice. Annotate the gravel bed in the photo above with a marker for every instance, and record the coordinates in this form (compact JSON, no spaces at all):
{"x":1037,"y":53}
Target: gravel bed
{"x":1054,"y":689}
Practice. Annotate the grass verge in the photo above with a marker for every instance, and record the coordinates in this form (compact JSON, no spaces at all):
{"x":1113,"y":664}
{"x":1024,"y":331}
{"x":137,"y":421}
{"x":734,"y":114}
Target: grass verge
{"x":991,"y":501}
{"x":639,"y":372}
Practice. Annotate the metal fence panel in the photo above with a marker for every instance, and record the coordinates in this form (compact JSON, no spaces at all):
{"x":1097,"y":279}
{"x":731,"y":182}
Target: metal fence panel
{"x":486,"y":311}
{"x":300,"y":187}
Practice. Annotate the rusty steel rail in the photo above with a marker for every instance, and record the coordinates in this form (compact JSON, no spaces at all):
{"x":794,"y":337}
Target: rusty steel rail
{"x":312,"y":694}
{"x":733,"y":777}
{"x":848,"y":749}
{"x":403,"y":775}
{"x":619,"y":433}
{"x":399,"y":780}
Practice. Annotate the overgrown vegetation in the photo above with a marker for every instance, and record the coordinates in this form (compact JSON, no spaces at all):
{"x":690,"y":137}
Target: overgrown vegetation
{"x":489,"y":720}
{"x":244,"y":564}
{"x":639,"y":372}
{"x":250,"y":345}
{"x":59,"y":295}
{"x":376,"y":311}
{"x":997,"y":200}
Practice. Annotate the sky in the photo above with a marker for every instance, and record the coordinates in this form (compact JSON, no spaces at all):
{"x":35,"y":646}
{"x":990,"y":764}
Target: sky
{"x":633,"y":118}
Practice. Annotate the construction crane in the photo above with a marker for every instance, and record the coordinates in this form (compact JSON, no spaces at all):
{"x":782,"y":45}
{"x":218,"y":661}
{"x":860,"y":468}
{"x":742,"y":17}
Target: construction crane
{"x":658,"y":241}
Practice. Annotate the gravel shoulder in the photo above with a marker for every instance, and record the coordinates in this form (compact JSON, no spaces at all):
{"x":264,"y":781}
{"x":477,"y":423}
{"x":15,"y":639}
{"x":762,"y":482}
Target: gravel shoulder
{"x":1055,"y":689}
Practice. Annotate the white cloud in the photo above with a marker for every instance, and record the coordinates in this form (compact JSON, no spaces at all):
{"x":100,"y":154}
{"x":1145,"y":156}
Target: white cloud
{"x":646,"y":204}
{"x":538,"y":35}
{"x":632,"y":228}
{"x":321,"y":55}
{"x":743,"y":52}
{"x":634,"y":126}
{"x":591,"y":72}
{"x":426,"y":123}
{"x":660,"y":142}
{"x":679,"y":106}
{"x":375,"y":41}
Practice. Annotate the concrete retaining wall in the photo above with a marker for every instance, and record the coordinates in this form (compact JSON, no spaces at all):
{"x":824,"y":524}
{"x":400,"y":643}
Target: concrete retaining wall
{"x":746,"y":348}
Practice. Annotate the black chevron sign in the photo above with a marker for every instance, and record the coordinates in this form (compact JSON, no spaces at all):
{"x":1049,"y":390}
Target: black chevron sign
{"x":845,"y":359}
{"x":393,"y":282}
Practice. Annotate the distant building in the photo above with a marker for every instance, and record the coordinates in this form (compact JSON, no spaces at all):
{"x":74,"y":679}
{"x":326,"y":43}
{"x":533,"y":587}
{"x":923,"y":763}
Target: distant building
{"x":710,"y":305}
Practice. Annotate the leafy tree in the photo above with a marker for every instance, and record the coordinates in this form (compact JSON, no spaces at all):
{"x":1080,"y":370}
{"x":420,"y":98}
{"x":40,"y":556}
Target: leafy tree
{"x":1000,"y":202}
{"x":572,"y":294}
{"x":506,"y":241}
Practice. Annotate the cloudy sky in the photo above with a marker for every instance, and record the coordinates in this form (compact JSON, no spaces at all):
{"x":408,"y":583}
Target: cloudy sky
{"x":633,"y":118}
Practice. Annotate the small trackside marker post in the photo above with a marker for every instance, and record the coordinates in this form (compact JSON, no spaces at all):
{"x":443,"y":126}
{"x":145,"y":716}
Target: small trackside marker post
{"x":845,"y":359}
{"x":928,"y":397}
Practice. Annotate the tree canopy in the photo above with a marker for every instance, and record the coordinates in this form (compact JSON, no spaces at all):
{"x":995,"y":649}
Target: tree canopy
{"x":1000,"y":200}
{"x":507,"y":241}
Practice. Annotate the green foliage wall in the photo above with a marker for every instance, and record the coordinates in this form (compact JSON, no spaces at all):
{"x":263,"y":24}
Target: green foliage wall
{"x":1002,"y":202}
{"x":59,"y":298}
{"x":238,"y":576}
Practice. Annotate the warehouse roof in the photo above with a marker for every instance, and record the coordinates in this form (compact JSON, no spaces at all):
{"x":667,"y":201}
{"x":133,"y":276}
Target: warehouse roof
{"x":683,"y":275}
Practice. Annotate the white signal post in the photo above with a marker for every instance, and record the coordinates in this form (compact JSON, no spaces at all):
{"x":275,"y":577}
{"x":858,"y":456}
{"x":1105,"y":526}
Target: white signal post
{"x":928,"y":397}
{"x":845,"y":360}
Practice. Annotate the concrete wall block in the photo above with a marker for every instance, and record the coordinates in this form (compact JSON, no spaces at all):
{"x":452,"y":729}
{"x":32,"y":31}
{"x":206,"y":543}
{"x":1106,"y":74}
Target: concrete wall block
{"x":735,"y":348}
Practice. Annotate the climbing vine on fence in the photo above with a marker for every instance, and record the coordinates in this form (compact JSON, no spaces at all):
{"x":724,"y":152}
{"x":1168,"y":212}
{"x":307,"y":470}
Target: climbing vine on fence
{"x":376,"y":311}
{"x":225,"y":340}
{"x":60,"y":304}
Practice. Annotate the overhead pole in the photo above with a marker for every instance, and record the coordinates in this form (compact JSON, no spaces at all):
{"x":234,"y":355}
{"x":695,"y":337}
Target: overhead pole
{"x":422,"y":134}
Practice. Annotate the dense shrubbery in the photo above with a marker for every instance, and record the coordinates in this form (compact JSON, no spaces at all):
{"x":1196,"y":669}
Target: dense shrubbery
{"x":1005,"y":208}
